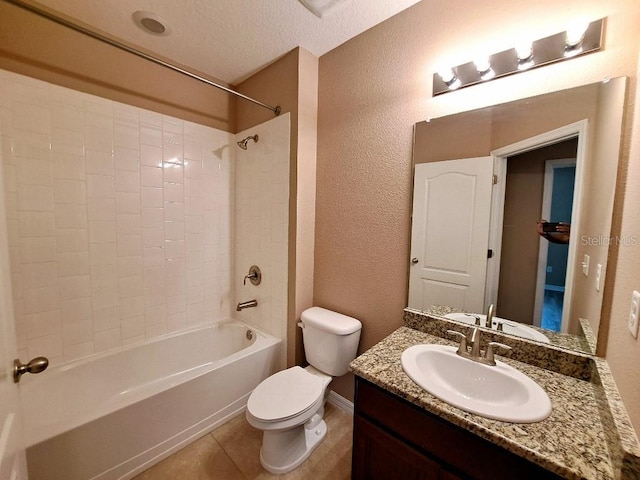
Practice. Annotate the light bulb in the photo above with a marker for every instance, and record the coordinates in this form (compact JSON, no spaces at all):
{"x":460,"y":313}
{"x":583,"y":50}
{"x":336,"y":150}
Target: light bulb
{"x":482,"y":64}
{"x":524,"y":50}
{"x":449,"y":77}
{"x":575,"y":33}
{"x":446,"y":74}
{"x":484,"y":68}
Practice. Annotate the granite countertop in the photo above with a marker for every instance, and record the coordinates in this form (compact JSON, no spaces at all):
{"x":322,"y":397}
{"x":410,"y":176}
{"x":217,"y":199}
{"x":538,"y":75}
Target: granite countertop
{"x":575,"y":442}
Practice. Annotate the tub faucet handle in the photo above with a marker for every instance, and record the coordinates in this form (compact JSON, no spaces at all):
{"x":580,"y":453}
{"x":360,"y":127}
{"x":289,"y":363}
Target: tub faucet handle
{"x":254,"y":276}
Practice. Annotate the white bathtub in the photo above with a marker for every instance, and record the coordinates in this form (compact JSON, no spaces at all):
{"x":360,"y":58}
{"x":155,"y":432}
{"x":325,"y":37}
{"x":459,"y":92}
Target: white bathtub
{"x":115,"y":414}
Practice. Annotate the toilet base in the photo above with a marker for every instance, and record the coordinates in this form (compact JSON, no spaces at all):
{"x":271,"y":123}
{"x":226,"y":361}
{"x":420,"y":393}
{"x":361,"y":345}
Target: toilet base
{"x":284,"y":450}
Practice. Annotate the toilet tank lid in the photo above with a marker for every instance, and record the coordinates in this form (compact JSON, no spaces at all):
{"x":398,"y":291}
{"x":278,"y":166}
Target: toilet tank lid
{"x":330,"y":321}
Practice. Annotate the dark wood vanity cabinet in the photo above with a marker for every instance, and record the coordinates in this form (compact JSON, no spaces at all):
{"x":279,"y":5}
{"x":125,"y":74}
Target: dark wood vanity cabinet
{"x":394,"y":439}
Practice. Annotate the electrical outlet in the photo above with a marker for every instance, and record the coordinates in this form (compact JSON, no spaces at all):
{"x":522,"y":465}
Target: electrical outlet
{"x":598,"y":276}
{"x":585,"y":265}
{"x":633,"y":314}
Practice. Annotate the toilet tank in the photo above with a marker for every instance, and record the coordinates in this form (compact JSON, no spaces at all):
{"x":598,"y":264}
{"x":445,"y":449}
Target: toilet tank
{"x":330,"y":339}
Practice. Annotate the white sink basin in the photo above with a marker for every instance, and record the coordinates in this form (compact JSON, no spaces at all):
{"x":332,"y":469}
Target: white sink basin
{"x":508,"y":326}
{"x":499,"y":392}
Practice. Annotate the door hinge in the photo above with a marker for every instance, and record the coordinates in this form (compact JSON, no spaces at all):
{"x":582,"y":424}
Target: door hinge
{"x":494,"y":179}
{"x":490,"y":253}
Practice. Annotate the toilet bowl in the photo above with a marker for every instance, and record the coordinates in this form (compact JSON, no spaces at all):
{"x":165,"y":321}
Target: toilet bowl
{"x":289,"y":405}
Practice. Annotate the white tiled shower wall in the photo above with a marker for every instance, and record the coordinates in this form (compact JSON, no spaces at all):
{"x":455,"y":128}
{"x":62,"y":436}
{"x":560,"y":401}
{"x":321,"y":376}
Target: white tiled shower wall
{"x":120,"y":220}
{"x":262,"y":224}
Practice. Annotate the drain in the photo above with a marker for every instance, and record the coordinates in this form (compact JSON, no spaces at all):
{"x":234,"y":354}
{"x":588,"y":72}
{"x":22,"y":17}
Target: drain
{"x":249,"y":335}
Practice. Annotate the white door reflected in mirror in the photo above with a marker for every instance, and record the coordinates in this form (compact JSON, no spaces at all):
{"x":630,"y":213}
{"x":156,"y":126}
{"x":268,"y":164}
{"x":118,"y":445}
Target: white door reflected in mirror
{"x":450,"y":233}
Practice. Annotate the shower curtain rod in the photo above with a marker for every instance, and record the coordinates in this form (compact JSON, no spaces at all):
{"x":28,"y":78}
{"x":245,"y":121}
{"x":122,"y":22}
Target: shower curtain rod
{"x":126,"y":48}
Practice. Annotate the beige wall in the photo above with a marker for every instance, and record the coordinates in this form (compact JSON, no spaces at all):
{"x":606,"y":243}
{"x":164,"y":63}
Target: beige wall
{"x":292,"y":83}
{"x":623,"y":275}
{"x":375,"y":87}
{"x":478,"y":132}
{"x":39,"y":48}
{"x":520,"y":242}
{"x":306,"y":193}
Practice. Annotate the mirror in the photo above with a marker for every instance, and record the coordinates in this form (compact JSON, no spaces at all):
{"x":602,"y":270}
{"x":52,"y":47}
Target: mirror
{"x":579,"y":128}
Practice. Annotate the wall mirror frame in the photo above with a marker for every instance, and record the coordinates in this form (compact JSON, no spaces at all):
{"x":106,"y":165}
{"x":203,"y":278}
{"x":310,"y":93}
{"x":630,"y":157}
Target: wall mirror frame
{"x":592,"y":115}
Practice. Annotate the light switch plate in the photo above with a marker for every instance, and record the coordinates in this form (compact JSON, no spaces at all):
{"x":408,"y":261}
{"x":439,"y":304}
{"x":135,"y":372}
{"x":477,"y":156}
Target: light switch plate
{"x":585,"y":265}
{"x":633,"y":313}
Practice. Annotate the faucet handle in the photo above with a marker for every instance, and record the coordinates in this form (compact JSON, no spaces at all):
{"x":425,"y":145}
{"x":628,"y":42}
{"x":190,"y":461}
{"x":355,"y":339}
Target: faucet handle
{"x":489,"y":354}
{"x":463,"y":340}
{"x":476,"y":317}
{"x":255,"y":276}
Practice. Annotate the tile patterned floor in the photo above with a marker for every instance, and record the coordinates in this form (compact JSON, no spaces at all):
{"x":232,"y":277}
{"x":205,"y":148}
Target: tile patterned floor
{"x":232,"y":452}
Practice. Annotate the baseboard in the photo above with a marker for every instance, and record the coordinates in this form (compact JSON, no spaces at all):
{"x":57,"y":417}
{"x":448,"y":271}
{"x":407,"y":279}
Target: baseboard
{"x":339,"y":401}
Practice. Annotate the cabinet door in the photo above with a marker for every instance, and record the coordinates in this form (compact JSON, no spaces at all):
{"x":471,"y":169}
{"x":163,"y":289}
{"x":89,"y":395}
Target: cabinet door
{"x":378,"y":455}
{"x":434,"y":440}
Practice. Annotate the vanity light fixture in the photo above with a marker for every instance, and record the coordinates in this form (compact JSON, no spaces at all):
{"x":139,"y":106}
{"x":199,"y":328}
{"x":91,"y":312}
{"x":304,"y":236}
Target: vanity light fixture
{"x":577,"y":40}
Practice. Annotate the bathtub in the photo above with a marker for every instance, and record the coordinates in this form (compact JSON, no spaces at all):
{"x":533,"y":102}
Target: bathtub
{"x":113,"y":415}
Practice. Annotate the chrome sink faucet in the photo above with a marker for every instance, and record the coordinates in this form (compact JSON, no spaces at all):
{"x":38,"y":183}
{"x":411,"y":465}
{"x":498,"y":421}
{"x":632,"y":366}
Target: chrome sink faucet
{"x":475,"y":344}
{"x":475,"y":353}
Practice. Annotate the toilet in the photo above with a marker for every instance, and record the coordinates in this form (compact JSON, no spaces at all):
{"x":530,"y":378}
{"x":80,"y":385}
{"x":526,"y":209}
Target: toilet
{"x":289,"y":405}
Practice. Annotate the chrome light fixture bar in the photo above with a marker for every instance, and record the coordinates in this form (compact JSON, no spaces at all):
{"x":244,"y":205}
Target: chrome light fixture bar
{"x":555,"y":48}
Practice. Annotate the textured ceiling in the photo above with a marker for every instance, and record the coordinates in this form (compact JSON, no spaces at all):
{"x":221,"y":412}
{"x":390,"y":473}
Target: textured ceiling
{"x":232,"y":39}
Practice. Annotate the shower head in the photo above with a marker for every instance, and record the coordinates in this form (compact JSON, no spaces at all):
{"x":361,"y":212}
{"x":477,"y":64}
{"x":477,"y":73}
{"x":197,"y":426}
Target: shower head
{"x":243,"y":143}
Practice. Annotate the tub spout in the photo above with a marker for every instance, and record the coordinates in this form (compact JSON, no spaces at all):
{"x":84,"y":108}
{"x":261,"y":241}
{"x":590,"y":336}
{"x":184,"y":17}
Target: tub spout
{"x":249,"y":304}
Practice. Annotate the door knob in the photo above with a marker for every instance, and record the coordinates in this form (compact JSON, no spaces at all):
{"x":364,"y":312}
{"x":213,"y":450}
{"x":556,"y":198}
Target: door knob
{"x":37,"y":365}
{"x":414,"y":260}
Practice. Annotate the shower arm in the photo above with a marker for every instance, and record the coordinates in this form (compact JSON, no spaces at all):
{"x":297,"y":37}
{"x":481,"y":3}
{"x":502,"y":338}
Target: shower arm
{"x":114,"y":43}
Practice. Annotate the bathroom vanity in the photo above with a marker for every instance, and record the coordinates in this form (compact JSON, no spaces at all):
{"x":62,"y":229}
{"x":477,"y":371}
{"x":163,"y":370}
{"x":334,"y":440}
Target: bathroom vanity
{"x":402,"y":431}
{"x":395,"y":439}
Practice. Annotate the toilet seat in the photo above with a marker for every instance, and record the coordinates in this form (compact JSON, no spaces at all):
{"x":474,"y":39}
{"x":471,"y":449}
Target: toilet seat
{"x":286,"y":394}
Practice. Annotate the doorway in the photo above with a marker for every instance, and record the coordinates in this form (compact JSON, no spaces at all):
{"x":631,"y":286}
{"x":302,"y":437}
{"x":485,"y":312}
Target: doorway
{"x":557,"y":204}
{"x":539,"y":185}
